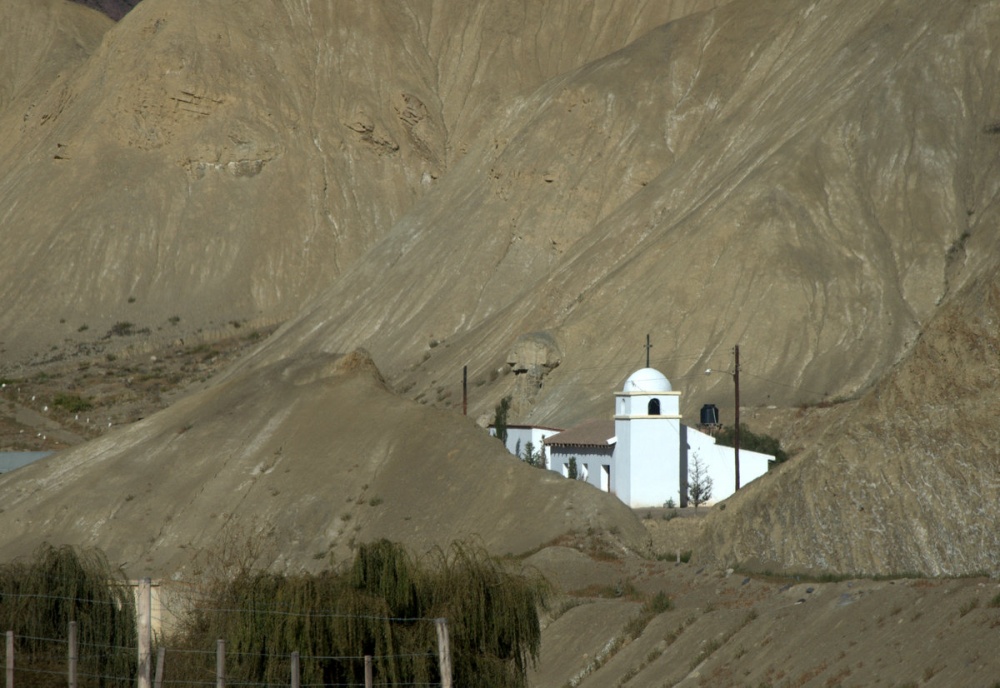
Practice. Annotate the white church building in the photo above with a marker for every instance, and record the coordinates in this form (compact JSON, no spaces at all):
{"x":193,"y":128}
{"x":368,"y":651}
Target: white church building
{"x":646,"y":455}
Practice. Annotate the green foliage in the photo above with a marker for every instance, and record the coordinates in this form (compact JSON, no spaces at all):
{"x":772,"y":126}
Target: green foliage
{"x":39,"y":597}
{"x":752,"y":441}
{"x":500,"y":419}
{"x":384,"y":606}
{"x":571,"y":469}
{"x":532,"y":457}
{"x":656,"y":605}
{"x":72,"y":403}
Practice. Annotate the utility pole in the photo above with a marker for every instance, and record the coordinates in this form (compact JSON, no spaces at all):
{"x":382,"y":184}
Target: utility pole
{"x":465,"y":390}
{"x":736,"y":381}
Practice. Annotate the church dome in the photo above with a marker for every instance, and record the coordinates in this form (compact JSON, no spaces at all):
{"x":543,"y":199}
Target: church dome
{"x":647,"y":380}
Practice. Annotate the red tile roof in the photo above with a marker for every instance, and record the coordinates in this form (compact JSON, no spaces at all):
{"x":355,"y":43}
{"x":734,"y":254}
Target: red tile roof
{"x":591,"y":433}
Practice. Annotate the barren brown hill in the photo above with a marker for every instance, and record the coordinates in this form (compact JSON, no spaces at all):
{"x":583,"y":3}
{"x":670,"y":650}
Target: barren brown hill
{"x":906,"y":480}
{"x":488,"y":184}
{"x":525,"y":186}
{"x":43,"y":43}
{"x":300,"y":460}
{"x":813,"y":189}
{"x":223,"y":161}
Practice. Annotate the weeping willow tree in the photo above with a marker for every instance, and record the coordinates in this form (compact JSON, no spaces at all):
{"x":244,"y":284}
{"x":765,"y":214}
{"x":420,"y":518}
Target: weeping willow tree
{"x":493,"y":617}
{"x":40,"y":596}
{"x":383,"y":606}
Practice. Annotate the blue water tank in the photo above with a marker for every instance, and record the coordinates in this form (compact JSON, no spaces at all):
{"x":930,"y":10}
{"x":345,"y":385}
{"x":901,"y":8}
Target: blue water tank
{"x":709,"y":414}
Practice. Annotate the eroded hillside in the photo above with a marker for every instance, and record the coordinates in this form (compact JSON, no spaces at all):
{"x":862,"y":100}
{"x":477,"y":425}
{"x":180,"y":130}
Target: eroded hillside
{"x":221,"y":161}
{"x":446,"y":184}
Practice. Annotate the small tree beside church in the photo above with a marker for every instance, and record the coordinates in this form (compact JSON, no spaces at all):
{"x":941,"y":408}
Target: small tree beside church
{"x":533,"y":457}
{"x":500,"y":419}
{"x":699,"y":482}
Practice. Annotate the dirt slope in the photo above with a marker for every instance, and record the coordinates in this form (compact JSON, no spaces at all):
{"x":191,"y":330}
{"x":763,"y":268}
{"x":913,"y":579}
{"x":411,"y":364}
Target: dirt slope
{"x":906,"y":481}
{"x":735,"y":631}
{"x":303,"y":460}
{"x":222,"y":161}
{"x":816,"y":182}
{"x":757,"y":173}
{"x":44,"y":41}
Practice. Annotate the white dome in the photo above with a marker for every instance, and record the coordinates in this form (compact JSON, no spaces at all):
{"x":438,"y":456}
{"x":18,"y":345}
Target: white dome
{"x":647,"y":380}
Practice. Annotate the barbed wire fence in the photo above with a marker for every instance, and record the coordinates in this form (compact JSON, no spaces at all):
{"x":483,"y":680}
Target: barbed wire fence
{"x":32,"y":661}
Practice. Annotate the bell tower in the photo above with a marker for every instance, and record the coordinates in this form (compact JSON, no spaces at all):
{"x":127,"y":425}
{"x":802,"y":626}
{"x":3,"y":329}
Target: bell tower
{"x":648,"y":434}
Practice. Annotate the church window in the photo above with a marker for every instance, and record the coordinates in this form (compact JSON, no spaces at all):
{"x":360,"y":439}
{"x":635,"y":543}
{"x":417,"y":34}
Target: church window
{"x":654,"y":407}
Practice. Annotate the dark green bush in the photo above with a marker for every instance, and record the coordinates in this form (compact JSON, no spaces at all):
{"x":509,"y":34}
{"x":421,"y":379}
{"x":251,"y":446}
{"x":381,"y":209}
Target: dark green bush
{"x":752,"y":441}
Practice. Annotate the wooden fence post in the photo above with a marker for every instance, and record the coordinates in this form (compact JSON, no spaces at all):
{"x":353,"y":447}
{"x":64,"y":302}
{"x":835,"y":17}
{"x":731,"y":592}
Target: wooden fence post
{"x":144,"y":631}
{"x":10,"y":659}
{"x":220,"y":663}
{"x":368,"y":671}
{"x":444,"y":652}
{"x":295,"y":669}
{"x":161,"y":655}
{"x":73,"y":655}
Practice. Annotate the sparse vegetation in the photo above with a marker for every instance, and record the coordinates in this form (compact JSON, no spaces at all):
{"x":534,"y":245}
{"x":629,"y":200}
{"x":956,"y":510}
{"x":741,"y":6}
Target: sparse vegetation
{"x":122,"y":328}
{"x":752,"y":441}
{"x":699,"y":482}
{"x":72,"y":403}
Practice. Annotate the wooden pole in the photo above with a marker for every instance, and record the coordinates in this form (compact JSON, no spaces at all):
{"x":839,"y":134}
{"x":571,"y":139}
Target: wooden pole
{"x":10,"y":659}
{"x":144,"y":631}
{"x":220,"y":663}
{"x":369,"y":677}
{"x":161,"y":655}
{"x":736,"y":381}
{"x":444,"y":652}
{"x":295,"y":669}
{"x":465,"y":390}
{"x":73,"y":655}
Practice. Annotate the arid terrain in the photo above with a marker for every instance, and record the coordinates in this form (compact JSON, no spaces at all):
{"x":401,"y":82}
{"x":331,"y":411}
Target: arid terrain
{"x":250,"y":247}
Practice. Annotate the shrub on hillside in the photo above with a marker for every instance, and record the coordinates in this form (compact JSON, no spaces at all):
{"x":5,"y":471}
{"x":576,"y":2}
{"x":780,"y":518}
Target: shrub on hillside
{"x":752,"y":441}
